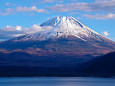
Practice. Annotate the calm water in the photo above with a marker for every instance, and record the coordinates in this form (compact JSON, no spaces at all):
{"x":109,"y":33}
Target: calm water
{"x":57,"y":81}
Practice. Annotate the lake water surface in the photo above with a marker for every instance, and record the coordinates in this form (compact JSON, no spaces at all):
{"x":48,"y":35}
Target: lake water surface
{"x":57,"y":81}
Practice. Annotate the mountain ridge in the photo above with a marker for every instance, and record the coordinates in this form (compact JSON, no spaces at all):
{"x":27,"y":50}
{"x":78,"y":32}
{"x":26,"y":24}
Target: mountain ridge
{"x":99,"y":66}
{"x":62,"y":26}
{"x":62,"y":35}
{"x":58,"y":50}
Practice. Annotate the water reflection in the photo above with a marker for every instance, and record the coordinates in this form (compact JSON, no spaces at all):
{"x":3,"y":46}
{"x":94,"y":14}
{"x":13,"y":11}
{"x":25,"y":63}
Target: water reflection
{"x":57,"y":81}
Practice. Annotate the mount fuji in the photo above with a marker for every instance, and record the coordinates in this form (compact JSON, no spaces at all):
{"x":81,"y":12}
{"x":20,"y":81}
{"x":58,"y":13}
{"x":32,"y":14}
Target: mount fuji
{"x":61,"y":35}
{"x":62,"y":27}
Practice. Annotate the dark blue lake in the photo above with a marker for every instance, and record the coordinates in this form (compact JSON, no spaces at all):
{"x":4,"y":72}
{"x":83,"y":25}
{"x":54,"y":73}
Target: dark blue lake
{"x":57,"y":81}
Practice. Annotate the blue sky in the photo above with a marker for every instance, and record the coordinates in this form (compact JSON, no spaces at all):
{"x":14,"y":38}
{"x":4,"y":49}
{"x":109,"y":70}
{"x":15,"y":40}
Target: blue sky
{"x":19,"y":17}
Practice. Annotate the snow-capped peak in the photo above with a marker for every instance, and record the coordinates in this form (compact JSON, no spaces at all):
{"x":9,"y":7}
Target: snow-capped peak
{"x":62,"y":22}
{"x":61,"y":26}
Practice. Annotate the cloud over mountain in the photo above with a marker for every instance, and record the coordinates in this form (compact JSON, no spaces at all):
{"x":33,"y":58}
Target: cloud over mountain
{"x":105,"y":33}
{"x":9,"y":32}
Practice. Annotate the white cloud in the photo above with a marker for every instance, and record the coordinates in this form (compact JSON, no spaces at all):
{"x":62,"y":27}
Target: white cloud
{"x":70,"y":7}
{"x":30,"y":9}
{"x":105,"y":33}
{"x":50,"y":1}
{"x":9,"y":32}
{"x":18,"y":28}
{"x":23,"y":9}
{"x":33,"y":29}
{"x":8,"y":28}
{"x":47,"y":1}
{"x":98,"y":5}
{"x":98,"y":1}
{"x":100,"y":16}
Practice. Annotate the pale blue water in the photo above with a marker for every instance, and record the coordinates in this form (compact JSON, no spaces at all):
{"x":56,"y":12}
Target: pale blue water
{"x":57,"y":81}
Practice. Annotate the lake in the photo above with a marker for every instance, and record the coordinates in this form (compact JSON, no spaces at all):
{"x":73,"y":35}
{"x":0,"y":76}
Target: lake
{"x":57,"y":81}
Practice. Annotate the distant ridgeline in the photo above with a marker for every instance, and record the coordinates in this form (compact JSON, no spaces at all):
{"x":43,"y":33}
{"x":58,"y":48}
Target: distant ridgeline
{"x":24,"y":65}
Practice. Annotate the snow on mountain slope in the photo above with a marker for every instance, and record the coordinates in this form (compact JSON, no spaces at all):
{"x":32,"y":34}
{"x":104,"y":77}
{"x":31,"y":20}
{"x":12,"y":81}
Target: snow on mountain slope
{"x":62,"y":35}
{"x":61,"y":26}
